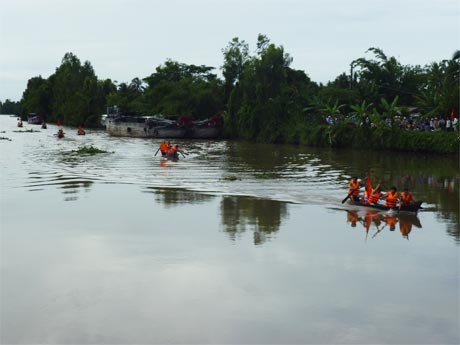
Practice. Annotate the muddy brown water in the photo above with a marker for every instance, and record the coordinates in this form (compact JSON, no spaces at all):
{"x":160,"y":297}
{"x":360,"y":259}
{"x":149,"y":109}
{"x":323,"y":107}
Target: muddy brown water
{"x":234,"y":243}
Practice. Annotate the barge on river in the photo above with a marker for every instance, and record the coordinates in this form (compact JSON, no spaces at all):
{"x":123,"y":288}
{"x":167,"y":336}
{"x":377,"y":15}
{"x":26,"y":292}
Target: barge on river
{"x":163,"y":128}
{"x":34,"y":119}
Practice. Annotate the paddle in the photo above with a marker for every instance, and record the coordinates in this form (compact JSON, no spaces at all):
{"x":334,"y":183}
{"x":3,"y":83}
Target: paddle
{"x":181,"y":153}
{"x":346,"y":198}
{"x":157,"y":152}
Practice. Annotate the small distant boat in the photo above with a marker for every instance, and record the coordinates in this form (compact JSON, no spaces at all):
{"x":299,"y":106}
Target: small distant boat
{"x":60,"y":134}
{"x":34,"y":119}
{"x":413,"y":208}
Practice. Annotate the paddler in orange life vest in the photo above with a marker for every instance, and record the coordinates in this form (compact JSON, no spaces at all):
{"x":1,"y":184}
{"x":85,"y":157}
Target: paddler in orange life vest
{"x":391,"y":198}
{"x":163,"y":148}
{"x":406,"y":197}
{"x":80,"y":130}
{"x":354,"y":189}
{"x":375,"y":195}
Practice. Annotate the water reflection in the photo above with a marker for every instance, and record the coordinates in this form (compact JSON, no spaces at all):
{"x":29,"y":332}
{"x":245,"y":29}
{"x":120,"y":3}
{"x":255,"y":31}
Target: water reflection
{"x":70,"y":189}
{"x":372,"y":220}
{"x":262,"y":216}
{"x":69,"y":185}
{"x":175,"y":197}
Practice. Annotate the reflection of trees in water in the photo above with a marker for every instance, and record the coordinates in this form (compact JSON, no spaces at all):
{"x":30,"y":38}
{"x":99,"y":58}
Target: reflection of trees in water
{"x":374,"y":221}
{"x":175,"y":197}
{"x":71,"y":188}
{"x":260,"y":215}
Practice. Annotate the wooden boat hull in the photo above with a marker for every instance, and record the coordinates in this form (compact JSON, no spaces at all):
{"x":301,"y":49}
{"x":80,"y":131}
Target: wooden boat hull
{"x":172,"y":156}
{"x":413,"y":208}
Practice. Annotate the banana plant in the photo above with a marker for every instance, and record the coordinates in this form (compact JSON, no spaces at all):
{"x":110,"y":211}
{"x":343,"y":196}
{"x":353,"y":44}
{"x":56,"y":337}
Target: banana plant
{"x":361,"y":110}
{"x":334,"y":109}
{"x":389,"y":109}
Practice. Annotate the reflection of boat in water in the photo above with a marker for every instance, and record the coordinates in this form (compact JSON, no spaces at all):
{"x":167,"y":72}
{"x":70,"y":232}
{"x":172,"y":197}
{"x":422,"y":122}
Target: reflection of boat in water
{"x":412,"y":208}
{"x":381,"y":221}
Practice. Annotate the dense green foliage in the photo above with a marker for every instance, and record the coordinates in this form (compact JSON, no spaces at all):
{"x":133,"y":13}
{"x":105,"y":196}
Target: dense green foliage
{"x":261,"y":97}
{"x":9,"y":107}
{"x":382,"y":138}
{"x":72,"y":95}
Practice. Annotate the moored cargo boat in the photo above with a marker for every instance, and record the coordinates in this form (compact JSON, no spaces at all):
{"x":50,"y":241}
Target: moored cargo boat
{"x":163,"y":128}
{"x":34,"y":119}
{"x":143,"y":127}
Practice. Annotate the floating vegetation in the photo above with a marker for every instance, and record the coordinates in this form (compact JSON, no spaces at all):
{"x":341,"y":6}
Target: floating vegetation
{"x":27,"y":131}
{"x":88,"y":150}
{"x":230,"y":178}
{"x":265,"y":176}
{"x":5,"y":138}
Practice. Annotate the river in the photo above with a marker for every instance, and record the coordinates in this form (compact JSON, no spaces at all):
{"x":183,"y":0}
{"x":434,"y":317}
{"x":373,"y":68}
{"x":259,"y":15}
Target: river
{"x":234,"y":243}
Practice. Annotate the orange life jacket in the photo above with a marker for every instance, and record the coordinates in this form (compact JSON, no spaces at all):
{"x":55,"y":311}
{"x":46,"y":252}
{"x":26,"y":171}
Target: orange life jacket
{"x":374,"y":197}
{"x":354,"y":188}
{"x":407,"y":198}
{"x":391,"y":199}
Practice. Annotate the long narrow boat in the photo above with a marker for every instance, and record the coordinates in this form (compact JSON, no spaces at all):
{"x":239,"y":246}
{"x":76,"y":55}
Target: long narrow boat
{"x":405,"y":208}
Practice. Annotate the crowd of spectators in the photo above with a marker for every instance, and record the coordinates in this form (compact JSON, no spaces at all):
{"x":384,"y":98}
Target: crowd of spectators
{"x":415,"y":122}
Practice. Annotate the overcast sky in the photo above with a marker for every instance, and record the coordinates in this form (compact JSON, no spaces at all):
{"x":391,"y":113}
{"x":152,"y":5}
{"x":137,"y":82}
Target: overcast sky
{"x":126,"y":39}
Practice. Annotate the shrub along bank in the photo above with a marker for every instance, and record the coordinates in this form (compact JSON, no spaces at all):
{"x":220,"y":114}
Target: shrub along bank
{"x":348,"y":136}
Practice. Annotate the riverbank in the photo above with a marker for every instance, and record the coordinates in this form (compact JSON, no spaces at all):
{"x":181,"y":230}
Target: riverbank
{"x":381,"y":138}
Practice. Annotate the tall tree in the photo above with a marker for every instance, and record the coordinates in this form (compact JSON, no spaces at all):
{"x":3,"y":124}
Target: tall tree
{"x":236,"y":55}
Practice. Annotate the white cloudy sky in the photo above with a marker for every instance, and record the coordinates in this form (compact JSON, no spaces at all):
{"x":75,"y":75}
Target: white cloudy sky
{"x":124,"y":39}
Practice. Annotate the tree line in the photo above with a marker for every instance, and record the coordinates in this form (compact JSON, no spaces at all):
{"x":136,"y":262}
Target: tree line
{"x":260,"y":96}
